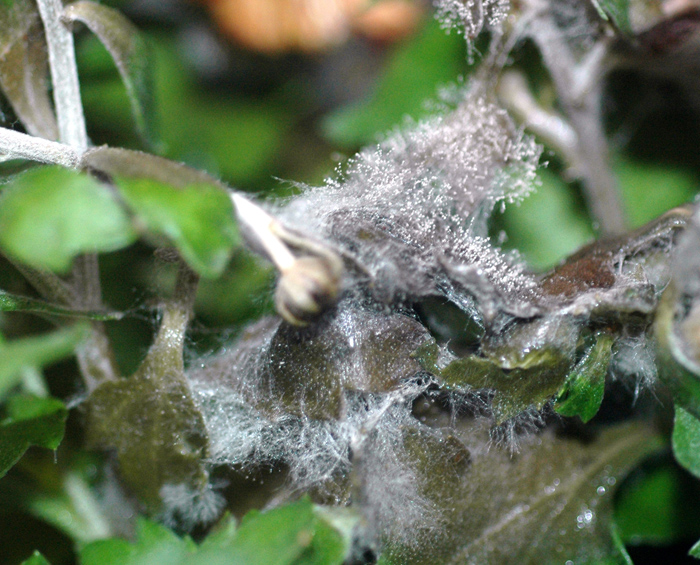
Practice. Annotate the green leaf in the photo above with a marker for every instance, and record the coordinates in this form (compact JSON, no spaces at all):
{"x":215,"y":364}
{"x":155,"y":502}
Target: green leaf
{"x":24,"y":67}
{"x":582,"y":394}
{"x":657,"y":505}
{"x":190,"y":208}
{"x":49,"y":215}
{"x":30,"y":421}
{"x":412,"y":76}
{"x":36,"y":352}
{"x":36,"y":559}
{"x":640,"y":182}
{"x":279,"y":536}
{"x":289,"y":535}
{"x":155,"y":545}
{"x":622,"y":557}
{"x":695,"y":551}
{"x":14,"y":303}
{"x":131,"y":54}
{"x":198,"y":219}
{"x":616,"y":11}
{"x":686,"y":440}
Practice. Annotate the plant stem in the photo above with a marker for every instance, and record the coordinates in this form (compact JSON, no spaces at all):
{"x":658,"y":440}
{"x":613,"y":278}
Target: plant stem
{"x":578,"y":83}
{"x":16,"y":145}
{"x":95,"y":357}
{"x":64,"y":76}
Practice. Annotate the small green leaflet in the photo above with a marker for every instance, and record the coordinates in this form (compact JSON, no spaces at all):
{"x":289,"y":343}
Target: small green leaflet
{"x":36,"y":352}
{"x":582,"y":394}
{"x":30,"y":421}
{"x":616,"y":11}
{"x":686,"y":440}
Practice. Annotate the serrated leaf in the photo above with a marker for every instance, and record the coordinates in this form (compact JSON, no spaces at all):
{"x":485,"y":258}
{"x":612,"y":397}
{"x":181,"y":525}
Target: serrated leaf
{"x":155,"y":544}
{"x":36,"y":559}
{"x":151,"y":420}
{"x":686,"y":440}
{"x":190,"y":208}
{"x":49,"y":215}
{"x":30,"y":421}
{"x":130,"y":53}
{"x":279,"y":536}
{"x":616,"y":11}
{"x":24,"y":68}
{"x":582,"y":394}
{"x":36,"y":352}
{"x":292,"y":534}
{"x":14,"y":303}
{"x":411,"y":77}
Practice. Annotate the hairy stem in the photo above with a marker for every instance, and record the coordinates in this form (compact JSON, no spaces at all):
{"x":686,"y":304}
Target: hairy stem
{"x":16,"y":145}
{"x":578,"y":82}
{"x":94,"y":357}
{"x":64,"y":76}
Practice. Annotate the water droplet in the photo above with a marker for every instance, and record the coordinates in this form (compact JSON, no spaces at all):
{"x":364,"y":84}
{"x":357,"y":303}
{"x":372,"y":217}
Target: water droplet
{"x":611,"y":481}
{"x":600,"y":490}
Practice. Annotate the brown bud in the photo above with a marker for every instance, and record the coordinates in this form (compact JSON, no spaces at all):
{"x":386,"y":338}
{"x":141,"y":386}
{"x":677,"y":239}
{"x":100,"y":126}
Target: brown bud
{"x":308,"y":288}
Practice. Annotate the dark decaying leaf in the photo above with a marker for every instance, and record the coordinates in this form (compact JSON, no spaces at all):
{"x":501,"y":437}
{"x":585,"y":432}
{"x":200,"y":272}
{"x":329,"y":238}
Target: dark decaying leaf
{"x":36,"y":351}
{"x":530,"y":382}
{"x":189,"y":207}
{"x":24,"y":68}
{"x":280,"y":368}
{"x":293,"y":534}
{"x":151,"y":421}
{"x":14,"y":303}
{"x":552,"y":501}
{"x":49,"y":215}
{"x":131,"y":54}
{"x":610,"y":284}
{"x":30,"y":421}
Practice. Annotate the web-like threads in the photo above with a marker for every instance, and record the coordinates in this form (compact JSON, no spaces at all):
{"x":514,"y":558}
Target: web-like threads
{"x":471,"y":17}
{"x":185,"y":507}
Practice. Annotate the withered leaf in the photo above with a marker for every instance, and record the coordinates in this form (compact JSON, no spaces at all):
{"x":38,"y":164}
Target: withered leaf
{"x":150,"y":420}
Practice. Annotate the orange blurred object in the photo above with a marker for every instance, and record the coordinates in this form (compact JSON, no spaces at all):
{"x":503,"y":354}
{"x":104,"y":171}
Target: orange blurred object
{"x":275,"y":26}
